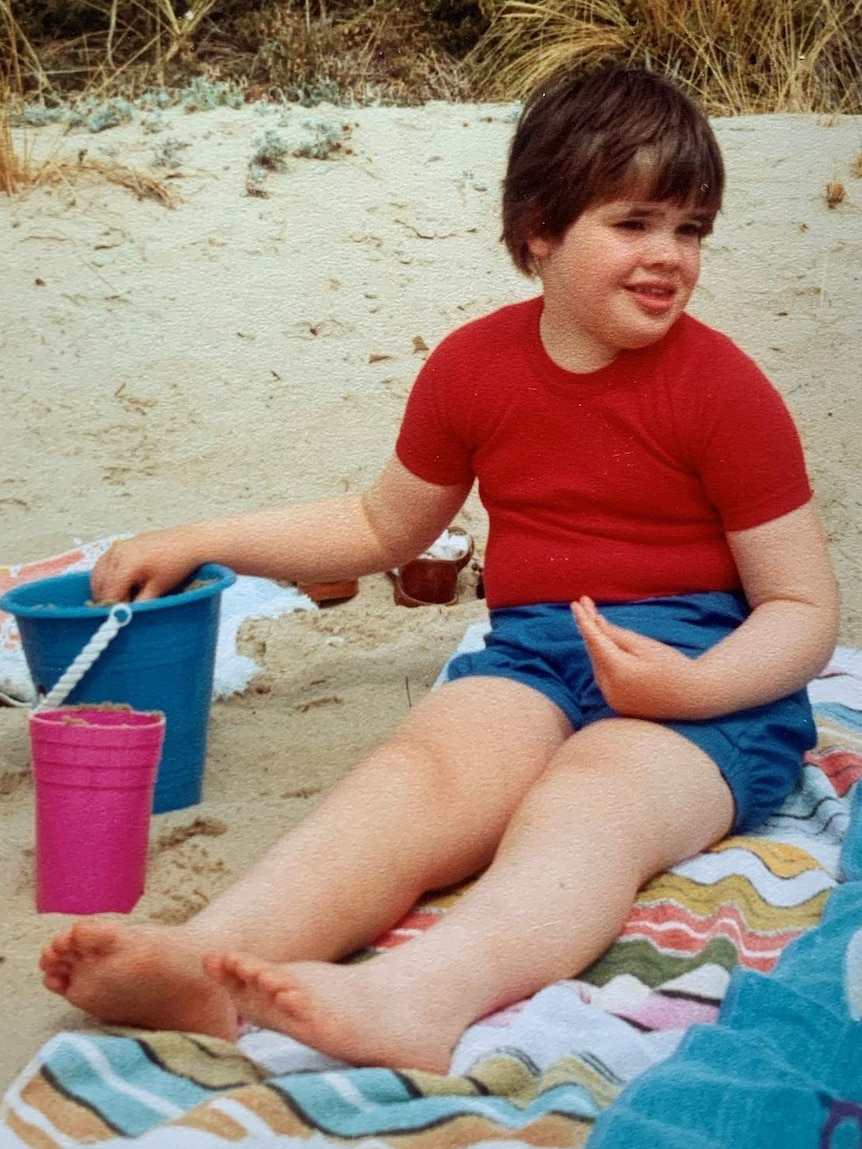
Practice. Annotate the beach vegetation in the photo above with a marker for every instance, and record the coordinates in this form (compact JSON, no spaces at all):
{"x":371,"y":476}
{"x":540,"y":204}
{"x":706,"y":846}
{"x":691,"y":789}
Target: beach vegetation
{"x":271,"y":151}
{"x":14,"y":158}
{"x":321,"y":139}
{"x":166,"y":154}
{"x":202,"y":94}
{"x":98,"y":116}
{"x":22,"y":168}
{"x":255,"y":181}
{"x":735,"y":56}
{"x":315,"y":139}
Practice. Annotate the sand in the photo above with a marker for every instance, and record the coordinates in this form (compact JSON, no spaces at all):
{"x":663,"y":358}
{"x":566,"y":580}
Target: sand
{"x":161,"y":364}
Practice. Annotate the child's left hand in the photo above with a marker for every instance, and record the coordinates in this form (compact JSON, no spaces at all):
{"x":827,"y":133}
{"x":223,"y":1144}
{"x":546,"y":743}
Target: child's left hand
{"x":639,"y":677}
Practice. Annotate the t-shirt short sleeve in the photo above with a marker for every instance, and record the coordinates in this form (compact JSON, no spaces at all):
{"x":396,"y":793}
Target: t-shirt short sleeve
{"x":622,"y":483}
{"x":751,"y":461}
{"x":432,"y":443}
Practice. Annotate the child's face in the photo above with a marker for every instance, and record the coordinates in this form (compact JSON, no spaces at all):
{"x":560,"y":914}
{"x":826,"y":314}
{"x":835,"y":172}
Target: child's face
{"x":617,"y":279}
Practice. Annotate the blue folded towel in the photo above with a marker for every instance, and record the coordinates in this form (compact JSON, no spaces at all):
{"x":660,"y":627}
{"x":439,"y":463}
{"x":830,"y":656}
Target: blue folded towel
{"x":782,"y":1065}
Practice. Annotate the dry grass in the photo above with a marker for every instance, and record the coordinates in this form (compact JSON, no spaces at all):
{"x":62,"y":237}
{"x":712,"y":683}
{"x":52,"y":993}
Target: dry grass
{"x":19,"y":60}
{"x":15,"y":162}
{"x":143,"y":185}
{"x":382,"y":50}
{"x":338,"y":49}
{"x":124,"y":34}
{"x":20,"y":169}
{"x":14,"y":167}
{"x":172,"y":34}
{"x":21,"y":172}
{"x":735,"y":56}
{"x":17,"y":169}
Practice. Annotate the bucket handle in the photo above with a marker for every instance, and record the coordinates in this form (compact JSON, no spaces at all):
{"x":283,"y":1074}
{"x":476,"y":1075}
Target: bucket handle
{"x":119,"y":616}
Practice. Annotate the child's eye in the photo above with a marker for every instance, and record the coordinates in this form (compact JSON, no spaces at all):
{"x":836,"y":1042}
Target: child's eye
{"x":697,"y":230}
{"x":631,"y":224}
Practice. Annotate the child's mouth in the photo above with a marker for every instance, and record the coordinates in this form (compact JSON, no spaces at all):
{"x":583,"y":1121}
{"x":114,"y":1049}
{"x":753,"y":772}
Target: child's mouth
{"x":655,"y":299}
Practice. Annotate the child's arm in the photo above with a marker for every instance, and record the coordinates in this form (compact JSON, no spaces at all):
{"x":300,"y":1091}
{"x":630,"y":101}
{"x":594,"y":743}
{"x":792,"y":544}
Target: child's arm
{"x":787,"y":639}
{"x":336,"y":538}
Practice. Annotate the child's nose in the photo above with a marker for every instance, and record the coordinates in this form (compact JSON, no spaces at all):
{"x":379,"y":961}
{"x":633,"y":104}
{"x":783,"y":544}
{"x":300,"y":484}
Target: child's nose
{"x":665,"y":249}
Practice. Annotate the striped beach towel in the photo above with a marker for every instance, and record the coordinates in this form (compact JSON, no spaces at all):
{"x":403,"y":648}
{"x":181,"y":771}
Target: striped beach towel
{"x":541,"y":1072}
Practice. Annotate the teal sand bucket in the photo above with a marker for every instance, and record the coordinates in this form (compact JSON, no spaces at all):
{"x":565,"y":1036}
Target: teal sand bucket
{"x":164,"y":659}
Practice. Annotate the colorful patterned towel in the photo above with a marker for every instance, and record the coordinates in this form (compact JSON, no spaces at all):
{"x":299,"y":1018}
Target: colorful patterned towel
{"x":539,"y":1073}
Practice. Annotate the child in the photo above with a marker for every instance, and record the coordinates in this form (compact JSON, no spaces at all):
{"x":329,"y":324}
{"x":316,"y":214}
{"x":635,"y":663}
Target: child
{"x":627,"y":456}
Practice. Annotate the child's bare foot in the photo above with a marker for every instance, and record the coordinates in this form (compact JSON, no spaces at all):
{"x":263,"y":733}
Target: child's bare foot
{"x":140,"y":976}
{"x":354,"y":1013}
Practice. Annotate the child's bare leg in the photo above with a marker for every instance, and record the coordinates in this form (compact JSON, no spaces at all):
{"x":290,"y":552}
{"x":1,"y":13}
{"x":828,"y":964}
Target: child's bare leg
{"x":426,"y":810}
{"x":621,"y":801}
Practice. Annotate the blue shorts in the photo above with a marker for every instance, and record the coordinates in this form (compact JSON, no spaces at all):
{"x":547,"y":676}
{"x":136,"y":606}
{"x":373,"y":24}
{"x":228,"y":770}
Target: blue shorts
{"x":758,"y":751}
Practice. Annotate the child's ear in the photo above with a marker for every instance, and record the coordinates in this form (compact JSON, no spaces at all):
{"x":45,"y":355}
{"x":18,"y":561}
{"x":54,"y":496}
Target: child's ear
{"x":540,"y":246}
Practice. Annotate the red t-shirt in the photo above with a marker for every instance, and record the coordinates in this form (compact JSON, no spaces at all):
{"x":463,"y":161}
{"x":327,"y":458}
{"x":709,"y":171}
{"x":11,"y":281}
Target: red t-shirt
{"x":618,"y":483}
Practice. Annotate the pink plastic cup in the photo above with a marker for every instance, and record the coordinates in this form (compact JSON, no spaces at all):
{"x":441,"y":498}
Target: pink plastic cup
{"x":94,"y":769}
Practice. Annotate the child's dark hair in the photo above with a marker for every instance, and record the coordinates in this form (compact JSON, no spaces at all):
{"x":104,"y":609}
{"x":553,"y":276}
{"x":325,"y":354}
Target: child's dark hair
{"x":582,"y":139}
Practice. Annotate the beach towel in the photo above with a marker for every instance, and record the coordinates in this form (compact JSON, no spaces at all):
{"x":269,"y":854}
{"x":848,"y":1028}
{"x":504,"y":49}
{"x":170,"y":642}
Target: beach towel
{"x":668,"y":1007}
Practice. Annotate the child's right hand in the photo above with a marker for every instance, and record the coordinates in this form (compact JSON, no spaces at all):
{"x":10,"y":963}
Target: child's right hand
{"x":641,"y":677}
{"x":143,"y":567}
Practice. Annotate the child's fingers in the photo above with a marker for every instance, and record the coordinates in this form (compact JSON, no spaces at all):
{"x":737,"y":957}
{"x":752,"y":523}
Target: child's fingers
{"x":587,"y":622}
{"x":585,"y":612}
{"x":594,"y":624}
{"x":116,"y":582}
{"x":625,"y":639}
{"x":147,"y":590}
{"x":588,"y":607}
